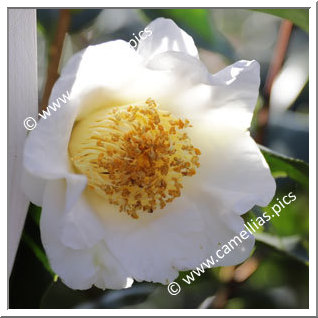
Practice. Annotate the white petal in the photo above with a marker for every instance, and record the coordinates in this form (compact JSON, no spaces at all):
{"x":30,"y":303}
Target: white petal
{"x":186,"y":68}
{"x":81,"y":228}
{"x":231,"y":163}
{"x":166,"y":36}
{"x":233,"y":168}
{"x":33,"y":187}
{"x":105,"y":71}
{"x":235,"y":92}
{"x":110,"y":273}
{"x":181,"y":236}
{"x":45,"y":151}
{"x":46,"y":148}
{"x":226,"y":99}
{"x":155,"y":246}
{"x":221,"y":226}
{"x":78,"y":268}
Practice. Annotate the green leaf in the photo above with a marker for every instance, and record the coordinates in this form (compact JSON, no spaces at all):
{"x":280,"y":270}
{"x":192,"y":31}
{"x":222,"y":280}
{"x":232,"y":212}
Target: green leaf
{"x":283,"y":166}
{"x":199,"y":24}
{"x":300,"y":17}
{"x":35,"y":212}
{"x":290,"y":245}
{"x":38,"y":252}
{"x":31,"y":273}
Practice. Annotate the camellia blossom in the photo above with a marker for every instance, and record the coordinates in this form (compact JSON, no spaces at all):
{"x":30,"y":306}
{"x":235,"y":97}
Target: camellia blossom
{"x":147,"y":169}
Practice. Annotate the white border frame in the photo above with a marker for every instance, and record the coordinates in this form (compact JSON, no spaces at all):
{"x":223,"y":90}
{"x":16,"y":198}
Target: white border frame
{"x":312,"y":155}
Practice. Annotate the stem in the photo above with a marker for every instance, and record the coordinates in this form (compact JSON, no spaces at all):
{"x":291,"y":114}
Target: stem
{"x":274,"y":68}
{"x":236,"y":276}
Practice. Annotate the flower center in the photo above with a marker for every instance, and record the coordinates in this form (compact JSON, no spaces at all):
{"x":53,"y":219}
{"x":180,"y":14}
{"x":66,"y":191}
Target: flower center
{"x":134,"y":156}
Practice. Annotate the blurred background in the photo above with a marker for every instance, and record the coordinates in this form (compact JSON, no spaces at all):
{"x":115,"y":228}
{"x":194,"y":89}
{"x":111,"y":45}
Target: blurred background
{"x":276,"y":274}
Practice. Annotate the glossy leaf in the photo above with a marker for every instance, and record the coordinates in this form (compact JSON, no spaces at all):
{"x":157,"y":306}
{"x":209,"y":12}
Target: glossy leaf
{"x":35,"y":213}
{"x":283,"y":166}
{"x":290,"y":245}
{"x":38,"y":252}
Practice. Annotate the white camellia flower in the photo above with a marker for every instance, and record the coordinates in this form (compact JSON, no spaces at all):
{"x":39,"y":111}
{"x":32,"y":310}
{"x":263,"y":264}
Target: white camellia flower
{"x":147,"y":169}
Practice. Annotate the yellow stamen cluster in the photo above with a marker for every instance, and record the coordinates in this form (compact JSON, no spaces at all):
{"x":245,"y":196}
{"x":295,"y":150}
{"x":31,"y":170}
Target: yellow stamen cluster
{"x":135,"y":156}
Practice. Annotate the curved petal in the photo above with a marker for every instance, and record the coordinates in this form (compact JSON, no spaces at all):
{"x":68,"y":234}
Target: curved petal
{"x":164,"y":35}
{"x":231,"y":163}
{"x":181,"y":236}
{"x":233,"y":168}
{"x":80,"y":227}
{"x":78,"y":268}
{"x":45,"y":152}
{"x":222,"y":226}
{"x":235,"y":92}
{"x":181,"y":65}
{"x":46,"y":147}
{"x":227,"y":99}
{"x":33,"y":187}
{"x":155,"y":246}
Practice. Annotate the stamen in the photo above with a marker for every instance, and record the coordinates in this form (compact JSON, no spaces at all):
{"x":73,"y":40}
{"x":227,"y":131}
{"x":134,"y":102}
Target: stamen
{"x":134,"y":156}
